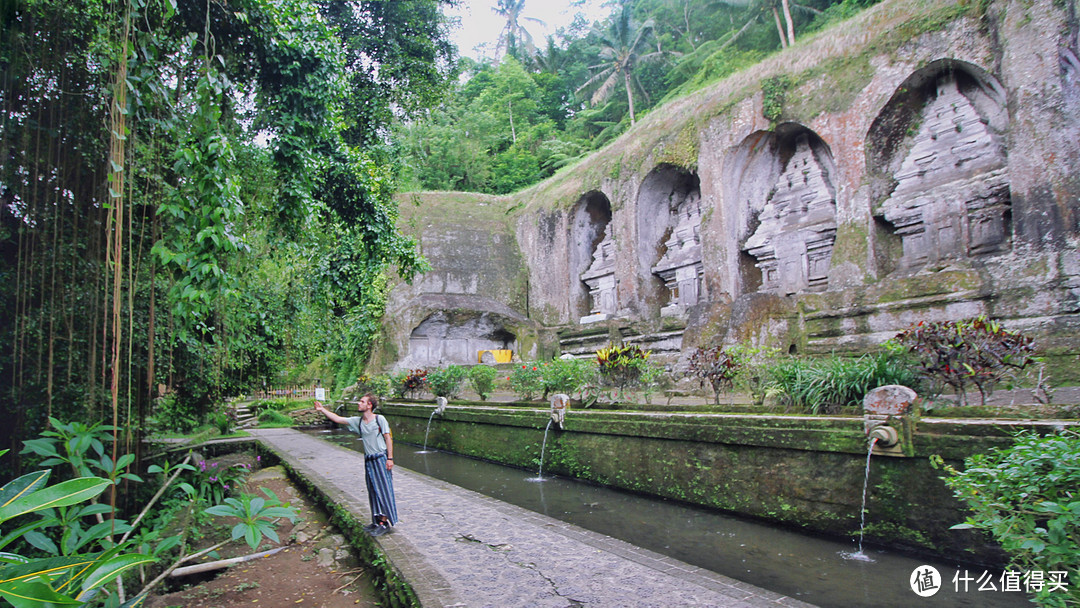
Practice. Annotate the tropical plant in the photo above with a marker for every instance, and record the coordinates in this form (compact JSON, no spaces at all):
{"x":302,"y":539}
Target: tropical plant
{"x":71,"y":551}
{"x":447,"y":381}
{"x":379,"y":385}
{"x":621,"y":366}
{"x":653,"y":379}
{"x":824,"y":386}
{"x":224,"y":421}
{"x":623,"y":49}
{"x":514,"y":37}
{"x":527,"y":381}
{"x":70,"y":578}
{"x":565,"y":375}
{"x":482,"y":379}
{"x":717,"y":366}
{"x":212,"y":483}
{"x":752,"y":376}
{"x":1026,"y":497}
{"x":411,"y":383}
{"x":977,"y":351}
{"x":170,"y":199}
{"x":779,"y":10}
{"x":255,"y":514}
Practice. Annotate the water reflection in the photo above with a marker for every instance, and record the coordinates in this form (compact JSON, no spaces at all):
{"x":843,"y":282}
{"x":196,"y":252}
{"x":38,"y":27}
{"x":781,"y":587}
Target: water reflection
{"x":806,"y":567}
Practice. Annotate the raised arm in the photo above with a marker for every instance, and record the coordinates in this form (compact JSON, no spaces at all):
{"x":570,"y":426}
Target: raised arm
{"x":331,"y":415}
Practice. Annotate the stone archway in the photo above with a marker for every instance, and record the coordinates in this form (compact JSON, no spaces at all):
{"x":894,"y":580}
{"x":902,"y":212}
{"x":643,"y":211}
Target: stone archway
{"x":938,"y":168}
{"x":457,"y":338}
{"x":592,"y":259}
{"x":786,"y":186}
{"x":669,"y":241}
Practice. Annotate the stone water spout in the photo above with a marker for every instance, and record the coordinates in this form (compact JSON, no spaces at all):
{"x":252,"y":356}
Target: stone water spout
{"x":440,"y":405}
{"x":887,"y":419}
{"x":885,"y":435}
{"x":560,"y":403}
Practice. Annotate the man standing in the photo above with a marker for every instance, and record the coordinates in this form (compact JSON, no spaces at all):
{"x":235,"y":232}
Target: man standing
{"x":374,"y":431}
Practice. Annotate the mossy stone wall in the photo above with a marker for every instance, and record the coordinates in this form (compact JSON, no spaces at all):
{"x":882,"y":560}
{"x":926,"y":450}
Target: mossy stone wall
{"x":804,"y":472}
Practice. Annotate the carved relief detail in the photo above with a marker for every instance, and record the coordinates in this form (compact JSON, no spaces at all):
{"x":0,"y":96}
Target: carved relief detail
{"x":680,"y":267}
{"x":600,"y":278}
{"x":794,"y":240}
{"x":952,"y":192}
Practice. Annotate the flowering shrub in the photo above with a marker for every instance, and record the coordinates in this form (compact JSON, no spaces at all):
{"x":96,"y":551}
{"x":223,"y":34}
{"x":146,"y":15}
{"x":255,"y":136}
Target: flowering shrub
{"x":565,"y":375}
{"x":482,"y":379}
{"x":527,"y":381}
{"x":410,"y":383}
{"x":213,"y":483}
{"x":975,"y":351}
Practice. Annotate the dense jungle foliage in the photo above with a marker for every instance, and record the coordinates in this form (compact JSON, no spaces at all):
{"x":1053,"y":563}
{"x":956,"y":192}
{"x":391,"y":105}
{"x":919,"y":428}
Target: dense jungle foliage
{"x":517,"y":118}
{"x":196,"y":198}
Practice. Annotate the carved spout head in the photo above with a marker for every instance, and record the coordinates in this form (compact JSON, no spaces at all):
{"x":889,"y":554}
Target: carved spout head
{"x":886,"y":435}
{"x":440,"y":405}
{"x":560,"y":403}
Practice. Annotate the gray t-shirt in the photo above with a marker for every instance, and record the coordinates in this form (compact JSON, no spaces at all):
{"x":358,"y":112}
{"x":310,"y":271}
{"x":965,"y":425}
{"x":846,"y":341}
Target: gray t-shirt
{"x":370,"y":432}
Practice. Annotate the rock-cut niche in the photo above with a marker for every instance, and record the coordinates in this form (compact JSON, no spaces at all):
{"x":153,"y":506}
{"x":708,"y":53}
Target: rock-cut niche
{"x":592,"y":259}
{"x":938,"y":167}
{"x":446,"y":338}
{"x":669,"y":240}
{"x":791,"y":214}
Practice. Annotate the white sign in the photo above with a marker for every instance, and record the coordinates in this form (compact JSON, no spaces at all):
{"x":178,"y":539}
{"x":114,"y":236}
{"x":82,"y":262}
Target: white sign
{"x":320,"y":394}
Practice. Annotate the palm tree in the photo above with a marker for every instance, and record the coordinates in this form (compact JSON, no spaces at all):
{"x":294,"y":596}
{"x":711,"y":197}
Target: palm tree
{"x":622,"y":51}
{"x":552,"y":60}
{"x":513,"y":33}
{"x":785,"y":29}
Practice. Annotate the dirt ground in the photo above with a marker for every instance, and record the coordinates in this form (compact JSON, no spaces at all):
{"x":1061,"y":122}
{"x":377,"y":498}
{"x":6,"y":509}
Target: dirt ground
{"x":314,"y":570}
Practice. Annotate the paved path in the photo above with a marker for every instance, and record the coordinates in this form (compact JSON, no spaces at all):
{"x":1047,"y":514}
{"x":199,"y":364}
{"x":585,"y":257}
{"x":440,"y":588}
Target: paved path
{"x":459,"y":548}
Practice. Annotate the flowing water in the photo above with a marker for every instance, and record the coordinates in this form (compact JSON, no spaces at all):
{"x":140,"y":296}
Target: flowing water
{"x":860,"y":555}
{"x":543,"y":448}
{"x":425,"y":450}
{"x":806,"y":567}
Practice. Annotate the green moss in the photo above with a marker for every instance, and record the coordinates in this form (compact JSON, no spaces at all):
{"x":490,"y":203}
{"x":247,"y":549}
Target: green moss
{"x":851,"y":245}
{"x":774,"y":90}
{"x":683,"y":151}
{"x":945,"y":282}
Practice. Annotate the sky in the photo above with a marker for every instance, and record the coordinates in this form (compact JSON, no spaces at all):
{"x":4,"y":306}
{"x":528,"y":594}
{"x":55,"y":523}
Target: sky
{"x":480,"y":25}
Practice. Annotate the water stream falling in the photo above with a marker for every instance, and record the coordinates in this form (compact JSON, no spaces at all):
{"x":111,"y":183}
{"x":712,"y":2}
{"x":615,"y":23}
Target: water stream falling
{"x":543,"y":447}
{"x":859,"y":555}
{"x":425,"y":450}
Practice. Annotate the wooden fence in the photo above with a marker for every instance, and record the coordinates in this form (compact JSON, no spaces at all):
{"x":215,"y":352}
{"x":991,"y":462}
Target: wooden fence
{"x":286,"y":392}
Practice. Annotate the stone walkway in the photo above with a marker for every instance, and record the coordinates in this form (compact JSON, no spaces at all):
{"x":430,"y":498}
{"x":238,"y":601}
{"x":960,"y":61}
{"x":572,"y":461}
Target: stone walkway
{"x":459,"y":548}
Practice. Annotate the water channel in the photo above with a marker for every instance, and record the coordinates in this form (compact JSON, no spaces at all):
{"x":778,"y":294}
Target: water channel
{"x":806,"y":567}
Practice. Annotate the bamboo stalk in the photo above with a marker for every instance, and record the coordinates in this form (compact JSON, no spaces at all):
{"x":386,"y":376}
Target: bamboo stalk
{"x":224,"y":563}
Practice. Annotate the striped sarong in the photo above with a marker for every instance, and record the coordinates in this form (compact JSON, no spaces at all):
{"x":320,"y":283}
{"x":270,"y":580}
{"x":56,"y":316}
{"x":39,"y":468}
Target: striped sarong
{"x":380,"y":488}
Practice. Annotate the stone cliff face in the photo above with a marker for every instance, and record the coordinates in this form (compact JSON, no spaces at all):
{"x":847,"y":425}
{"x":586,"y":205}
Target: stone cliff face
{"x":925,"y":165}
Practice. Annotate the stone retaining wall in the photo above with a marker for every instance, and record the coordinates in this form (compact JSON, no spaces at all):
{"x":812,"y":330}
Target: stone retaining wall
{"x":800,"y":471}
